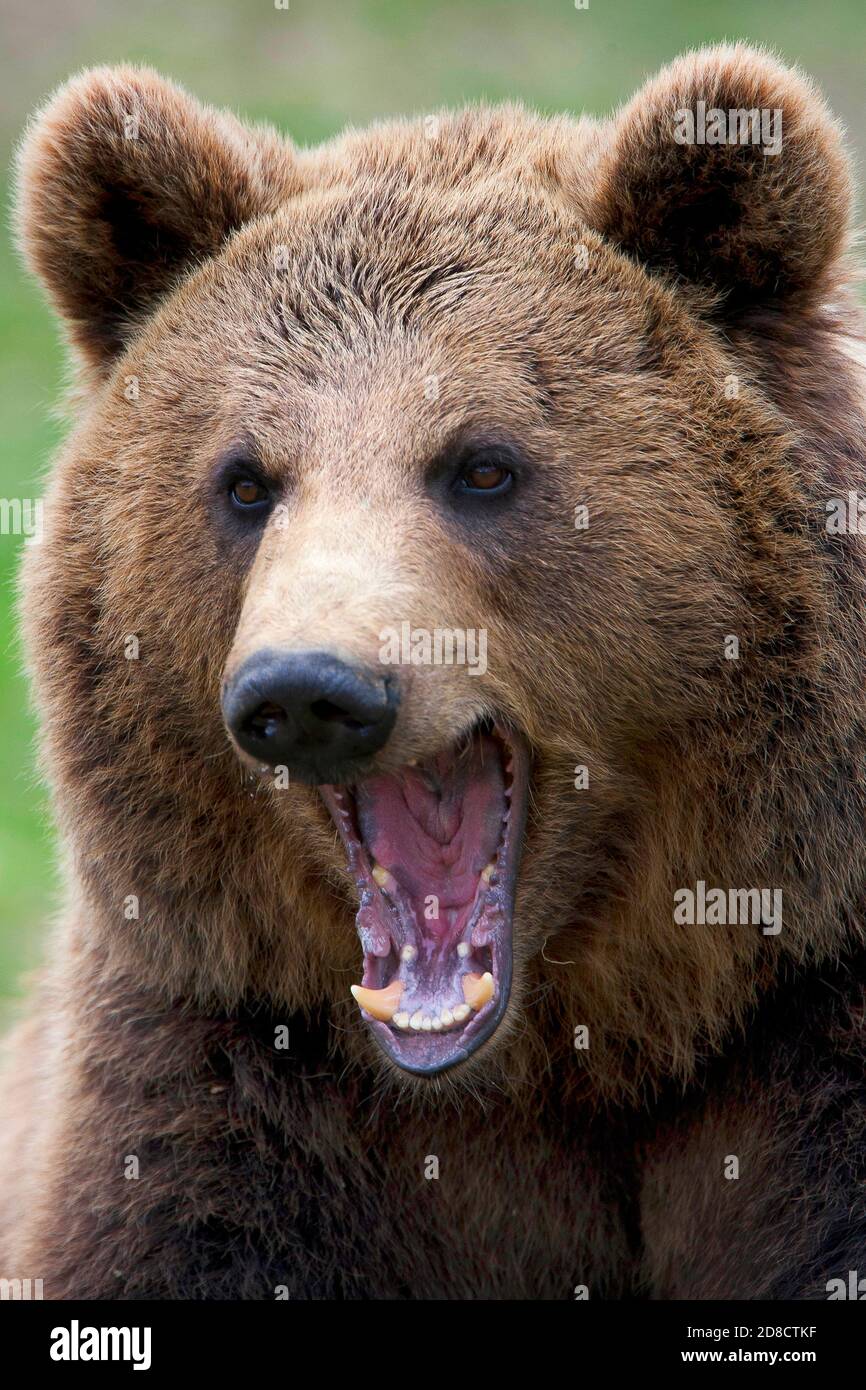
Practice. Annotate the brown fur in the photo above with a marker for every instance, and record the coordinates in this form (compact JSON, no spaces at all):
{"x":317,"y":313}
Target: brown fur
{"x":409,"y":253}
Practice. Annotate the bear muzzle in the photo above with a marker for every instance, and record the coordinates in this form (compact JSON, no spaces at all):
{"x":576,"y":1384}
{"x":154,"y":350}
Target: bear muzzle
{"x":309,"y":712}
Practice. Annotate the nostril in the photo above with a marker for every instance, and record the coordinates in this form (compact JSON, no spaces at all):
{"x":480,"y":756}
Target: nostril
{"x":265,"y":720}
{"x":310,"y":711}
{"x":329,"y":713}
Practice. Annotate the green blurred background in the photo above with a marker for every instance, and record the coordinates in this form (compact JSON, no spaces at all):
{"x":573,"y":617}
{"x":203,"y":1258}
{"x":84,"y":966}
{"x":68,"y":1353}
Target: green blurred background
{"x":312,"y":68}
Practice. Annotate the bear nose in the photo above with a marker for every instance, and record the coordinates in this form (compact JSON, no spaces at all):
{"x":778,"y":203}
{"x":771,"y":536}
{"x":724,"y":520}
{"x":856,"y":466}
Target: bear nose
{"x":309,"y":712}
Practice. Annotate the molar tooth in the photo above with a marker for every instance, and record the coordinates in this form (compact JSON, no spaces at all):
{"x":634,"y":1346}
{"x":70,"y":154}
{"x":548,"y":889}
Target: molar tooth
{"x":381,"y":1003}
{"x":477,"y":990}
{"x":488,"y":871}
{"x":460,"y":1013}
{"x":381,"y":876}
{"x":408,"y":953}
{"x":446,"y":1018}
{"x":401,"y":1020}
{"x":416,"y":1020}
{"x":463,"y":949}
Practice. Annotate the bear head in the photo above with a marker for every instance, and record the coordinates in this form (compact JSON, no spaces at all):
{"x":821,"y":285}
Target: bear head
{"x":440,"y":545}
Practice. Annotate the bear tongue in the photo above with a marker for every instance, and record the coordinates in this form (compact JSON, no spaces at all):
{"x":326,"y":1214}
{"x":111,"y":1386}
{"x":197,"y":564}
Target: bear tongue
{"x":434,"y":828}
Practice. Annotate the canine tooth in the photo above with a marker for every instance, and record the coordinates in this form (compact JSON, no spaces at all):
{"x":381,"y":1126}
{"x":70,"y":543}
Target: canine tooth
{"x":408,"y":953}
{"x":463,"y":949}
{"x":381,"y":1003}
{"x":381,"y":876}
{"x":477,"y":990}
{"x":436,"y":1025}
{"x":426,"y":1023}
{"x":446,"y":1018}
{"x":416,"y":1020}
{"x":460,"y":1013}
{"x":488,"y":872}
{"x":401,"y":1020}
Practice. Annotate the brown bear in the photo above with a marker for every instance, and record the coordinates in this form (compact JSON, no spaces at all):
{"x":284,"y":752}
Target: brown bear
{"x":448,"y":638}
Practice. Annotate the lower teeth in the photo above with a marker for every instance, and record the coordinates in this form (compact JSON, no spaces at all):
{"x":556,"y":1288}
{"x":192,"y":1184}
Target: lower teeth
{"x":478,"y":990}
{"x":425,"y":1023}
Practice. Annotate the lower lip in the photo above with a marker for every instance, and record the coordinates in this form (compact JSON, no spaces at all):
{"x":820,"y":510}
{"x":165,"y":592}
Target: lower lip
{"x":476,"y":1030}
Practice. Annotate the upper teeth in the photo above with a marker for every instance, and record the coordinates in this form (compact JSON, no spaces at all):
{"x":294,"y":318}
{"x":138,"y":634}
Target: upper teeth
{"x":381,"y":876}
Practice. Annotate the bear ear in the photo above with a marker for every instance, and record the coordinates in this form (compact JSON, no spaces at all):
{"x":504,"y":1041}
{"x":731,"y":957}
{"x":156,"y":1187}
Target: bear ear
{"x":124,"y":182}
{"x":727,"y":169}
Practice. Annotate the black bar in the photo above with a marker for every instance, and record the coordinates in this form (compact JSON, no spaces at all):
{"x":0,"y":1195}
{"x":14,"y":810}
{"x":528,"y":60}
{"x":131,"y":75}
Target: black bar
{"x":310,"y":1341}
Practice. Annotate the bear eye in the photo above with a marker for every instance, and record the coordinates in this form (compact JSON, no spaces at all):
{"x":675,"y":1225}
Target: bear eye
{"x":487,"y":476}
{"x":247,"y":493}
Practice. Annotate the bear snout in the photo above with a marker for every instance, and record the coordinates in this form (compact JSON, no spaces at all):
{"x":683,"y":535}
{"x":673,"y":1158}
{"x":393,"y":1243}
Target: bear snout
{"x":310,"y":712}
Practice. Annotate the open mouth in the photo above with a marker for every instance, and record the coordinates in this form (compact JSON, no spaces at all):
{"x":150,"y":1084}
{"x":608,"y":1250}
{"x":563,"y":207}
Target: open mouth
{"x":434,"y":849}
